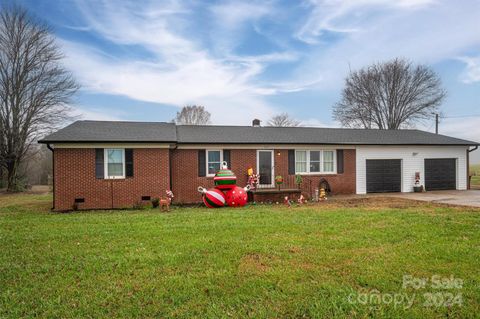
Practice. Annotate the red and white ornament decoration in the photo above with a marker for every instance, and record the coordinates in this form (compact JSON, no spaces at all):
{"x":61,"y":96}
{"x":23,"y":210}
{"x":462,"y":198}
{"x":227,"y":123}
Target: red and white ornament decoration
{"x":225,"y":181}
{"x":212,"y":198}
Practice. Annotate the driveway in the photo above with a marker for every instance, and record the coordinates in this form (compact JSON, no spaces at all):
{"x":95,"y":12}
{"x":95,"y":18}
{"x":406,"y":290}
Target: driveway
{"x":466,"y":198}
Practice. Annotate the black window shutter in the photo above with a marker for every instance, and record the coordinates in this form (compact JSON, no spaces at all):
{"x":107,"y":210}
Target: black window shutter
{"x":99,"y":168}
{"x":339,"y":161}
{"x":201,"y":163}
{"x":226,"y":157}
{"x":129,"y":162}
{"x":291,"y":162}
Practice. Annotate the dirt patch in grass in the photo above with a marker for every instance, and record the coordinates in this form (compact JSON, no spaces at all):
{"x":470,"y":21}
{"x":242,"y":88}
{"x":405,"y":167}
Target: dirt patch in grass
{"x":380,"y":203}
{"x":255,"y":263}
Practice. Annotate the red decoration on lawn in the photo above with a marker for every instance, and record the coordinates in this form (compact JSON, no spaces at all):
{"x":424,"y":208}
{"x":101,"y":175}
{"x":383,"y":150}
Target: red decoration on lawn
{"x":225,"y":178}
{"x":287,"y":202}
{"x":236,"y":197}
{"x":212,"y":198}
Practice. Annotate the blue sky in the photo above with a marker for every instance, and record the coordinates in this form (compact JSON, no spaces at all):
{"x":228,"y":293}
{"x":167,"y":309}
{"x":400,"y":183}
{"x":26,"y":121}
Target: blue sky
{"x":143,"y":60}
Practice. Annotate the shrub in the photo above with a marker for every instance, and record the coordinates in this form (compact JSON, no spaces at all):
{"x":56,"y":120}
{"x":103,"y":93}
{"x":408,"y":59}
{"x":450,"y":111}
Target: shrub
{"x":155,"y":202}
{"x":138,"y":205}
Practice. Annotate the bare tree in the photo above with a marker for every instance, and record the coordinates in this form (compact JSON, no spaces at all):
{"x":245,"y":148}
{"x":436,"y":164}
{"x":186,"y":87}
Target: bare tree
{"x":192,"y":115}
{"x":389,"y":95}
{"x":283,"y":119}
{"x":35,"y":89}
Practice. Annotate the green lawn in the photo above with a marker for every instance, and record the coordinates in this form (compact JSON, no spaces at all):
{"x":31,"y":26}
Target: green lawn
{"x":260,"y":261}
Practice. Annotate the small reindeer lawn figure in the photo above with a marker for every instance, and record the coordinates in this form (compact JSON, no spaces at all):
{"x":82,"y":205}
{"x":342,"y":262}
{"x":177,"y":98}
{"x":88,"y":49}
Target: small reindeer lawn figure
{"x":287,"y":202}
{"x":301,"y":200}
{"x":165,"y":202}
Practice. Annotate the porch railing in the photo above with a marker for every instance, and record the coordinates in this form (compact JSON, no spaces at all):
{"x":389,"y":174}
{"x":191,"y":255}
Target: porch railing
{"x":290,"y":183}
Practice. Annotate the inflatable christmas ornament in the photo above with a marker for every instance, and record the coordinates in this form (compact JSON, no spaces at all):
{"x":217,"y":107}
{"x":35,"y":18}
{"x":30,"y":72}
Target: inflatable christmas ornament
{"x":225,"y":178}
{"x":212,"y":198}
{"x":237,"y":197}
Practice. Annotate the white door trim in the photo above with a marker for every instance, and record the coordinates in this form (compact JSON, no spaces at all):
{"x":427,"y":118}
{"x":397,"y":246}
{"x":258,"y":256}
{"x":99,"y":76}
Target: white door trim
{"x":273,"y":166}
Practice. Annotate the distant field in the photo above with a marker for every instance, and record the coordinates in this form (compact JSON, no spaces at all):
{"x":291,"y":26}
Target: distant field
{"x":475,"y":170}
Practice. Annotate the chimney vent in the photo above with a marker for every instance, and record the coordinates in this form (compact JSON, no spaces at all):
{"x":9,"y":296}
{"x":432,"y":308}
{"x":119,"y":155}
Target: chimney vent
{"x":256,"y":123}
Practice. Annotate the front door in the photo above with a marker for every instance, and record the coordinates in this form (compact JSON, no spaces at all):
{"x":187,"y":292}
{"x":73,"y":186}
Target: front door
{"x":265,"y":167}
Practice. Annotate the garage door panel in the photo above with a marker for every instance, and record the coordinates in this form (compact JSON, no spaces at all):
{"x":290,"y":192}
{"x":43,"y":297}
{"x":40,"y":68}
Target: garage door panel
{"x":440,"y":173}
{"x":383,"y":175}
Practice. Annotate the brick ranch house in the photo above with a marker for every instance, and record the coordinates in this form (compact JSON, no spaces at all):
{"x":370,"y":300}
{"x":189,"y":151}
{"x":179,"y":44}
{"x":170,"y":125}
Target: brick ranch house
{"x":103,"y":165}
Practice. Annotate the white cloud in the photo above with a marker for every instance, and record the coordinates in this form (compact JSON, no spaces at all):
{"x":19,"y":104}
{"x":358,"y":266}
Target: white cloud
{"x":231,"y":18}
{"x":98,"y":114}
{"x":472,"y":70}
{"x":180,"y":71}
{"x":418,"y":30}
{"x":347,"y":16}
{"x":182,"y":67}
{"x":465,"y":128}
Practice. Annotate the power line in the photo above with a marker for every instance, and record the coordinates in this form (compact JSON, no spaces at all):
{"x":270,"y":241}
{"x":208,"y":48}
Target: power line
{"x":460,"y":116}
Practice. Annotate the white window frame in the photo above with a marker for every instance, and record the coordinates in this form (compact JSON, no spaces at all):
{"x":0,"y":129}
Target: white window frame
{"x":206,"y":160}
{"x":105,"y":160}
{"x":334,"y":164}
{"x":322,"y":171}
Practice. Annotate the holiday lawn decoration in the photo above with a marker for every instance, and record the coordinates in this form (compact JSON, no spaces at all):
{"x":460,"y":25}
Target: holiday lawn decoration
{"x":212,"y":198}
{"x":301,"y":200}
{"x":165,"y":202}
{"x":279,"y":181}
{"x":287,"y":202}
{"x":226,"y":192}
{"x":323,"y":195}
{"x":236,"y":197}
{"x":225,"y":178}
{"x":417,"y":187}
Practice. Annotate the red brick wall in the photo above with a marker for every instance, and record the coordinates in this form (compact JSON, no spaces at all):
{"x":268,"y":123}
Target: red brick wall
{"x":75,"y":178}
{"x":185,"y":179}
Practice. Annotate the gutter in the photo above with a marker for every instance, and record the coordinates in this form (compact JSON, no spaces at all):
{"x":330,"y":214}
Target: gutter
{"x":53,"y":173}
{"x":473,"y":149}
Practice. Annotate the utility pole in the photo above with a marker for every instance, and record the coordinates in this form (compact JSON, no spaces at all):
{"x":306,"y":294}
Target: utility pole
{"x":436,"y":123}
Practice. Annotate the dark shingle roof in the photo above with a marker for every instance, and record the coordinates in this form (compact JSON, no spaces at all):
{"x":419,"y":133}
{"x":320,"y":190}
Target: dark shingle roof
{"x":108,"y":131}
{"x":98,"y":131}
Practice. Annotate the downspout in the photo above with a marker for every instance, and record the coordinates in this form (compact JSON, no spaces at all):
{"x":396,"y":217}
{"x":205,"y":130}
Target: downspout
{"x":53,"y":173}
{"x":170,"y":180}
{"x":468,"y":164}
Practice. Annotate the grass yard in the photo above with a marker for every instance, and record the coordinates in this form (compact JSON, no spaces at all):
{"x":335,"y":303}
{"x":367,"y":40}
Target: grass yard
{"x":259,"y":261}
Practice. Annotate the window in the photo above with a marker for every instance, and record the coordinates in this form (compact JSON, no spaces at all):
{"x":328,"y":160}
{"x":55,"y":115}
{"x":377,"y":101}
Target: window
{"x":214,"y":160}
{"x":301,"y":161}
{"x":114,"y":163}
{"x":315,"y":161}
{"x":328,"y":161}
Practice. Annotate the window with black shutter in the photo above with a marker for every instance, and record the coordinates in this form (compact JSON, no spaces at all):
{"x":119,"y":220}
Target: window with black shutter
{"x":99,"y":163}
{"x":339,"y":161}
{"x":202,"y":165}
{"x":291,"y":162}
{"x":226,"y":158}
{"x":129,"y":162}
